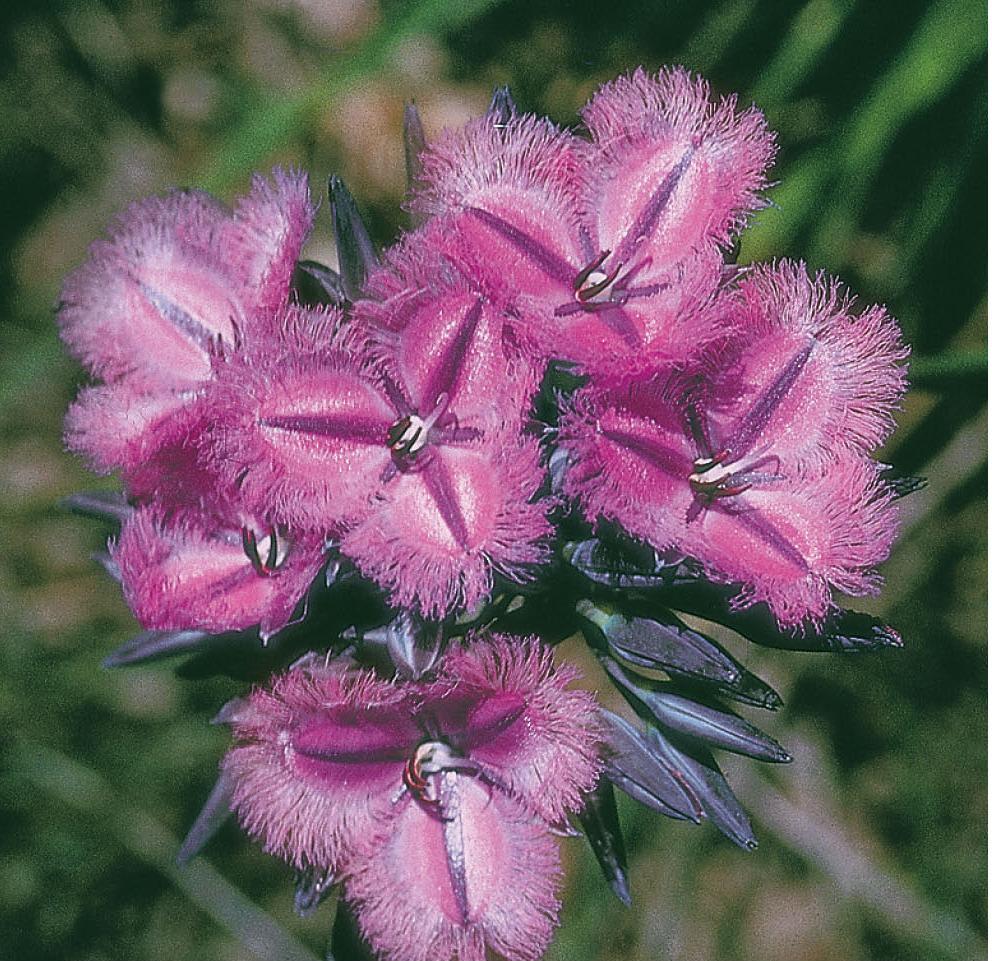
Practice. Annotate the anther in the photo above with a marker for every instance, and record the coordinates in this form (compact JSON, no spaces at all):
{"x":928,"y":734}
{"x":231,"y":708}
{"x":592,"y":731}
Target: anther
{"x":272,"y":561}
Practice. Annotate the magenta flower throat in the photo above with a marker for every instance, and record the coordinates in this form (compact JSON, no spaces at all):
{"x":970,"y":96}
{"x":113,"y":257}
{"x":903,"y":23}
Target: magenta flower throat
{"x":554,"y":410}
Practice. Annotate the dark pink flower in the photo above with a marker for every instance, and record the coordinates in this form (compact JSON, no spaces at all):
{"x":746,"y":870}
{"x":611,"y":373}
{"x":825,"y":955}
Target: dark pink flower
{"x":753,"y":461}
{"x":197,"y":573}
{"x":611,"y":247}
{"x":179,"y":278}
{"x":407,"y":447}
{"x":432,"y":800}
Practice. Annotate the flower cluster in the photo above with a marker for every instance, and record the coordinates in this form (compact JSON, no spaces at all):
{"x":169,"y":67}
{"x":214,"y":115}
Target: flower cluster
{"x":562,"y":347}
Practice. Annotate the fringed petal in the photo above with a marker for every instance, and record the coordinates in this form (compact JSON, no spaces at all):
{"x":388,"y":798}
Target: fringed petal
{"x":788,"y":544}
{"x":152,"y":299}
{"x":318,"y":759}
{"x":512,"y":712}
{"x":263,"y":239}
{"x":630,"y":456}
{"x":512,"y":188}
{"x":178,"y":575}
{"x":849,"y":368}
{"x":479,"y":872}
{"x":116,"y":427}
{"x":304,"y":439}
{"x":439,"y":531}
{"x":669,"y":171}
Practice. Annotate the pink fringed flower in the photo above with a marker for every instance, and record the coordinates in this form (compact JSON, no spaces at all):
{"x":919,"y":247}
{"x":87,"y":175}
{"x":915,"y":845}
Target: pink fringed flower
{"x":433,"y":801}
{"x":197,"y":573}
{"x":612,"y":248}
{"x":408,"y":449}
{"x":753,"y":461}
{"x":179,"y":277}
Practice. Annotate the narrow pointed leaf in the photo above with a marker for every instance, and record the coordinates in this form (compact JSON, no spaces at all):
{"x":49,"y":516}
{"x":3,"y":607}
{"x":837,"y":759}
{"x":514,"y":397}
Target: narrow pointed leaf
{"x":602,"y":828}
{"x":410,"y":646}
{"x":717,"y":728}
{"x":662,"y":643}
{"x":103,"y":505}
{"x":636,"y":566}
{"x":313,"y":885}
{"x":904,"y":486}
{"x":155,"y":645}
{"x":558,"y":464}
{"x":706,"y":781}
{"x":751,"y":689}
{"x":414,"y":143}
{"x":502,"y":108}
{"x":315,"y":283}
{"x":841,"y":632}
{"x":109,"y":565}
{"x":213,"y":815}
{"x":634,"y":766}
{"x":356,"y":255}
{"x":231,"y":711}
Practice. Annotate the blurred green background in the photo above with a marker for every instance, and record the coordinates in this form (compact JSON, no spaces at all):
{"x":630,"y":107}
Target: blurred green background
{"x":873,"y":840}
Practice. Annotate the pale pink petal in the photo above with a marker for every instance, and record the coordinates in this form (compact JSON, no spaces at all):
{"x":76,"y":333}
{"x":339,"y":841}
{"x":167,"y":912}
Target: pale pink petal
{"x":263,"y":239}
{"x":512,"y":188}
{"x":152,"y":299}
{"x":631,"y":458}
{"x":669,"y":171}
{"x":439,"y":531}
{"x":441,"y":329}
{"x":659,"y":323}
{"x":180,"y":273}
{"x":509,"y":709}
{"x":844,"y":370}
{"x":481,"y":873}
{"x":789,"y":543}
{"x":116,"y":427}
{"x":304,"y":439}
{"x":179,"y":575}
{"x":319,"y":759}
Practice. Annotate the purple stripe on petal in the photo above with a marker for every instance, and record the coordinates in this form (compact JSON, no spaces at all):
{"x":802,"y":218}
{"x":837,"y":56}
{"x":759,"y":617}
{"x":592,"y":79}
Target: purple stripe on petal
{"x":551,"y":263}
{"x":456,"y":435}
{"x":368,"y":755}
{"x":647,"y":219}
{"x":663,"y":458}
{"x":750,"y":426}
{"x":567,"y":309}
{"x":760,"y":525}
{"x":647,"y":290}
{"x":396,"y":394}
{"x":496,"y":714}
{"x":186,"y":324}
{"x":343,"y":428}
{"x":438,"y":483}
{"x":617,"y":319}
{"x":444,"y":374}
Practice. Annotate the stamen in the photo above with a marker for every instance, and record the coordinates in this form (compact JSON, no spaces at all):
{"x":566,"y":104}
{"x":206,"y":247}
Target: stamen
{"x":587,"y":272}
{"x":600,"y":283}
{"x":253,"y":550}
{"x":250,"y":545}
{"x":409,"y":435}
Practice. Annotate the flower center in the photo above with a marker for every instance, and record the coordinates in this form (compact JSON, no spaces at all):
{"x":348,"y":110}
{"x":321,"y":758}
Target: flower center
{"x":592,"y":284}
{"x":409,"y":435}
{"x":430,"y":758}
{"x":711,"y":477}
